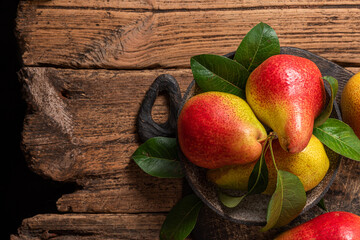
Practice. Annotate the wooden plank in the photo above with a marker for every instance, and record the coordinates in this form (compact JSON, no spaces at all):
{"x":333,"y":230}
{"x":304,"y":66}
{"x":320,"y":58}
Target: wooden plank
{"x":91,"y":226}
{"x":112,"y":38}
{"x":81,"y":127}
{"x":127,"y":192}
{"x":353,"y":69}
{"x":82,"y":122}
{"x":186,"y":4}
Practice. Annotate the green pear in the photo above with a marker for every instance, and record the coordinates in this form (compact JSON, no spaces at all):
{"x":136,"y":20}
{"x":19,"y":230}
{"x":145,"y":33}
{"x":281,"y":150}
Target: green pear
{"x":287,"y":93}
{"x":216,"y":129}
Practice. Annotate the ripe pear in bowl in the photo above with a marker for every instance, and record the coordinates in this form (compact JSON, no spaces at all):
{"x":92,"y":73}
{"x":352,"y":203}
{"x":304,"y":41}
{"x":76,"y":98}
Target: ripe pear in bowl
{"x":216,"y":129}
{"x":350,"y":103}
{"x":287,"y":93}
{"x":310,"y":165}
{"x":253,"y":208}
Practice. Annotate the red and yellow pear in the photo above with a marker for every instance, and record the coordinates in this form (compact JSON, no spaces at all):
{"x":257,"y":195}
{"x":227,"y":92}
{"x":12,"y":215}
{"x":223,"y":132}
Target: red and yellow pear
{"x":287,"y":93}
{"x":216,"y":129}
{"x":332,"y":225}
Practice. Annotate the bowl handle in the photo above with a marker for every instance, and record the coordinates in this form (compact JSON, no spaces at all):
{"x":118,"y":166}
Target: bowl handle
{"x":147,"y":127}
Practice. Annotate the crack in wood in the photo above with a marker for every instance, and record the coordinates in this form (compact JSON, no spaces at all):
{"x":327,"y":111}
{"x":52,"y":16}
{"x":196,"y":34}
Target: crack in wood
{"x":46,"y":99}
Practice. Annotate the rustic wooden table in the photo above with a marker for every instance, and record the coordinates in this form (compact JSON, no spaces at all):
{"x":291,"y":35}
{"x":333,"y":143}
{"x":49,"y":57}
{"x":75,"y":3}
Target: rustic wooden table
{"x":86,"y":68}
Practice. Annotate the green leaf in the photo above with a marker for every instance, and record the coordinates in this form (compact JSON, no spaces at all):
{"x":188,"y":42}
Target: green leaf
{"x":158,"y":157}
{"x":339,"y":137}
{"x":287,"y":201}
{"x":321,"y":204}
{"x":181,"y":219}
{"x":230,"y":201}
{"x":218,"y":73}
{"x":325,"y":114}
{"x":260,"y":43}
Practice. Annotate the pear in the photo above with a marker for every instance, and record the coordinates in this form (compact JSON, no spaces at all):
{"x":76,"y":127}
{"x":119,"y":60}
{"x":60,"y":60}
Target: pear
{"x":287,"y":93}
{"x":350,"y":103}
{"x":332,"y":225}
{"x":309,"y":165}
{"x":216,"y":129}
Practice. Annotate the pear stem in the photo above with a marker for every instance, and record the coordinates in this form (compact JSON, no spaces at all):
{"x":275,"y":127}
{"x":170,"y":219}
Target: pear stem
{"x":272,"y":154}
{"x":266,"y":147}
{"x":263,"y":140}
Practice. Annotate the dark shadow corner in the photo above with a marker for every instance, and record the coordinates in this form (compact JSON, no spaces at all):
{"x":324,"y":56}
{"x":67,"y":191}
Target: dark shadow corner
{"x":23,"y":193}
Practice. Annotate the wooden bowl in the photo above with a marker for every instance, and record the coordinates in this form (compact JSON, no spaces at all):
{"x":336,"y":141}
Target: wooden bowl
{"x":252,"y":210}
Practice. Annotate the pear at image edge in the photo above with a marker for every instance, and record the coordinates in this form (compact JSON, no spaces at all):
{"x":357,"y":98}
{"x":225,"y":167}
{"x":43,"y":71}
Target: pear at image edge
{"x":350,"y":103}
{"x":216,"y":129}
{"x":331,"y":225}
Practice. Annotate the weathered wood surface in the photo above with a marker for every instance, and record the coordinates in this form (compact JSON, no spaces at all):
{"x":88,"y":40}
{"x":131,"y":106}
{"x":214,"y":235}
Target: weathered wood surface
{"x":90,"y":226}
{"x":187,"y":4}
{"x":82,"y":128}
{"x":100,"y":37}
{"x":83,"y":99}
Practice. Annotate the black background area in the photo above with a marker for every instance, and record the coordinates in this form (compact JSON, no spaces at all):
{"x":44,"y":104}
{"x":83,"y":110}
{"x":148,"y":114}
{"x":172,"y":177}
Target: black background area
{"x":23,"y":193}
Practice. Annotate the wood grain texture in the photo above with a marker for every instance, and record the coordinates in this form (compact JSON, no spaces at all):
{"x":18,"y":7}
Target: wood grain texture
{"x":124,"y":193}
{"x":122,"y":38}
{"x":81,"y":127}
{"x":82,"y":122}
{"x":91,"y":226}
{"x":187,"y":4}
{"x":353,"y":69}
